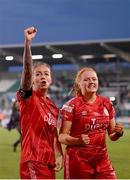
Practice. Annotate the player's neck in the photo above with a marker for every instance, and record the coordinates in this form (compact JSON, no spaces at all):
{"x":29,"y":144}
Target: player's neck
{"x":90,"y":97}
{"x":42,"y":93}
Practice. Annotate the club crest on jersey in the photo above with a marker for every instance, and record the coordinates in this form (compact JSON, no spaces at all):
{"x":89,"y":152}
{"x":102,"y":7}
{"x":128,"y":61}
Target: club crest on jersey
{"x":106,"y":112}
{"x":67,"y":108}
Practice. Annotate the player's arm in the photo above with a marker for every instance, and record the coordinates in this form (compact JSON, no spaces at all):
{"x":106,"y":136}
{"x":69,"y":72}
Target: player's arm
{"x":66,"y":139}
{"x":58,"y":153}
{"x":26,"y":80}
{"x":115,"y":130}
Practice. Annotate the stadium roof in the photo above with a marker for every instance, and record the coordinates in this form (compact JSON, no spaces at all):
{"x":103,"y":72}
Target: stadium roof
{"x":72,"y":52}
{"x":81,"y":31}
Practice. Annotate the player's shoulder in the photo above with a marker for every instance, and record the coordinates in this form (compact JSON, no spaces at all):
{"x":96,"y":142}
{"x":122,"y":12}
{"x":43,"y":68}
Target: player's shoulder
{"x":74,"y":100}
{"x":51,"y":103}
{"x":105,"y":100}
{"x":71,"y":104}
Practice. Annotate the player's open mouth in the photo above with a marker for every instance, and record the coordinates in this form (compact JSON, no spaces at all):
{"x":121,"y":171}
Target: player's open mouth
{"x":43,"y":82}
{"x":92,"y":86}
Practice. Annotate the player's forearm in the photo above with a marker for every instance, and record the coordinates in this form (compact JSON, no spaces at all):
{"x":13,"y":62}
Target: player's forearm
{"x":58,"y":154}
{"x":57,"y":146}
{"x":26,"y":81}
{"x":58,"y":149}
{"x":69,"y":140}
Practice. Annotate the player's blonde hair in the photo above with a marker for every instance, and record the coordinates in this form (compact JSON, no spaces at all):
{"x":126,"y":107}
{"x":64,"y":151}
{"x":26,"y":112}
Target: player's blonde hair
{"x":36,"y":64}
{"x":76,"y":88}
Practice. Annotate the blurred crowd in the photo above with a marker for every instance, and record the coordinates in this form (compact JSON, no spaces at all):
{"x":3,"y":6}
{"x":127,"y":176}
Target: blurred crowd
{"x":61,"y":91}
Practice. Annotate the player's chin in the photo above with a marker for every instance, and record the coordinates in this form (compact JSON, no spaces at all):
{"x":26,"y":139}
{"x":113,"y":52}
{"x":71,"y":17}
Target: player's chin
{"x":44,"y":87}
{"x":92,"y":90}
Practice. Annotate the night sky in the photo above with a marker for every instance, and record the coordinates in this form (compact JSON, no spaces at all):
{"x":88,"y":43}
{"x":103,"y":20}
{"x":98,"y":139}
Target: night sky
{"x":64,"y":20}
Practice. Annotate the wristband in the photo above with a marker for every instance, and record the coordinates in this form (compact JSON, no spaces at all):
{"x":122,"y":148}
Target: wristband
{"x":25,"y":94}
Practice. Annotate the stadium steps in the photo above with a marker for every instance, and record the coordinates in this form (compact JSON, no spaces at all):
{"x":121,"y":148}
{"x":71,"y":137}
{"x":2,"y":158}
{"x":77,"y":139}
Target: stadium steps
{"x":6,"y":84}
{"x":14,"y":87}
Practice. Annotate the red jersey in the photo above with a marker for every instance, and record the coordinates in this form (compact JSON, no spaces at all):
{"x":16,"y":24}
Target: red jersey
{"x":92,"y":119}
{"x":38,"y":124}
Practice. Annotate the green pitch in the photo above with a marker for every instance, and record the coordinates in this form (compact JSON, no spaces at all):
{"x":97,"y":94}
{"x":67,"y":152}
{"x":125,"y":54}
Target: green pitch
{"x":9,"y":161}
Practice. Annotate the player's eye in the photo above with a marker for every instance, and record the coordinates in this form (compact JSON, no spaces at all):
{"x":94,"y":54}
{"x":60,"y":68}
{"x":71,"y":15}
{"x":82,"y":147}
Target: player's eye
{"x":94,"y":79}
{"x":37,"y":74}
{"x":86,"y":79}
{"x":47,"y":74}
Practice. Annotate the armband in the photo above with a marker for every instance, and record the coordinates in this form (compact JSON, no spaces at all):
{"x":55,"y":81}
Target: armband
{"x":25,"y":94}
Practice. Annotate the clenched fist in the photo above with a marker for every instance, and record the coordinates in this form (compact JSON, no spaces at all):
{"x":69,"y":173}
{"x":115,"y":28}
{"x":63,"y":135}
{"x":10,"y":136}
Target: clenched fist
{"x":118,"y":129}
{"x":30,"y":33}
{"x":84,"y":139}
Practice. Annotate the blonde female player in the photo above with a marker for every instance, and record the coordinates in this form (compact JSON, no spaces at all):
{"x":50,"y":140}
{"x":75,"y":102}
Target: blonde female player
{"x":38,"y":119}
{"x":85,"y":120}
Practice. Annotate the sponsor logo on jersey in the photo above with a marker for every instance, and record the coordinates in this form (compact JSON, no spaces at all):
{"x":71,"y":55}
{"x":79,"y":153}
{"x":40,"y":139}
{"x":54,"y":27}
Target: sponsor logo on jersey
{"x":67,"y":108}
{"x":95,"y":125}
{"x":49,"y":119}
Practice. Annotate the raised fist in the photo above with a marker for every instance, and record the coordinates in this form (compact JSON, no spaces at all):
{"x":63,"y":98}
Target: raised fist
{"x":30,"y":33}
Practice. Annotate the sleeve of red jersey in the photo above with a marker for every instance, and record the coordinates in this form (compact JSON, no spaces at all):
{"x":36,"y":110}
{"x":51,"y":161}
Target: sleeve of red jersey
{"x":18,"y":96}
{"x":67,"y":112}
{"x":111,"y":109}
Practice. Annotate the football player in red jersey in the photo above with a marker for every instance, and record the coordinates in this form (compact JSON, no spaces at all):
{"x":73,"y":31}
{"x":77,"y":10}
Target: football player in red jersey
{"x":85,"y":120}
{"x":41,"y":152}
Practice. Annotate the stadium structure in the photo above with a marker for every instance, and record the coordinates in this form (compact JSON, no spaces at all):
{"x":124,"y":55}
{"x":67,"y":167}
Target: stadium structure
{"x":110,"y":58}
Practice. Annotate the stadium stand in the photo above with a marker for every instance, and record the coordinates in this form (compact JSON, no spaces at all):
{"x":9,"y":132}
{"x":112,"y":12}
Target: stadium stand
{"x":6,"y":84}
{"x":110,"y":59}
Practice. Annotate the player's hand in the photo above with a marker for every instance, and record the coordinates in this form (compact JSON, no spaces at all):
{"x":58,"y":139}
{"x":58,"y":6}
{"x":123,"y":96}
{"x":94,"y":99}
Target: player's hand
{"x":59,"y":163}
{"x":119,"y":129}
{"x":30,"y":33}
{"x":84,"y":139}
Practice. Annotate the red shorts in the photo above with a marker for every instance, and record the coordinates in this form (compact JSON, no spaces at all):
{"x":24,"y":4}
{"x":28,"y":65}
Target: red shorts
{"x":36,"y":170}
{"x":83,"y":167}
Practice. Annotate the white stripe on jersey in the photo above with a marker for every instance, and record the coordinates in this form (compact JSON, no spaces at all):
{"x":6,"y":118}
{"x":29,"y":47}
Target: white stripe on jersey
{"x":67,"y":166}
{"x":32,"y":170}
